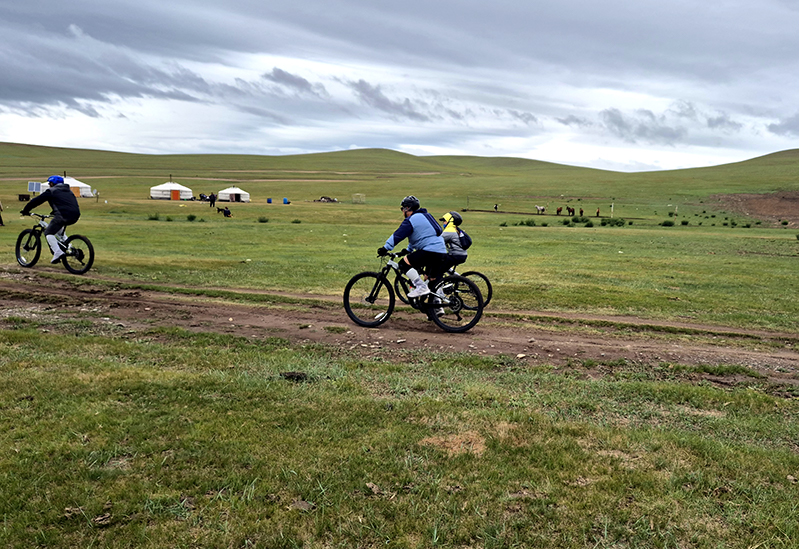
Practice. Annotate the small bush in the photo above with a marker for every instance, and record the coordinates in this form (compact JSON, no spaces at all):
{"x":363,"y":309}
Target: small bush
{"x":667,"y":223}
{"x":191,"y":217}
{"x":263,"y":219}
{"x":528,"y":223}
{"x":589,"y":224}
{"x":153,"y":216}
{"x":296,"y":221}
{"x":684,"y":222}
{"x":504,"y":224}
{"x":169,"y":218}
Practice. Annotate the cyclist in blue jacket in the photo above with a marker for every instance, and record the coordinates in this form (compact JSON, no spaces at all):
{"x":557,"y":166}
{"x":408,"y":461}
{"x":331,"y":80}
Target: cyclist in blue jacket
{"x":425,"y":245}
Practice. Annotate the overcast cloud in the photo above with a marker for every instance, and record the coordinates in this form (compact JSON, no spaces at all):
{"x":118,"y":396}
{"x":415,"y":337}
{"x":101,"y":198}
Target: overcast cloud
{"x":621,"y":84}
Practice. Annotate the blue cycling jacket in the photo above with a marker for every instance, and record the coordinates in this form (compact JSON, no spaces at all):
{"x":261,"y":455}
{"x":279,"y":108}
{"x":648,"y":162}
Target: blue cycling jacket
{"x":422,"y":231}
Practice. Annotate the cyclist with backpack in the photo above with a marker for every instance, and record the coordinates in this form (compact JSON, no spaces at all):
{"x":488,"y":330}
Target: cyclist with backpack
{"x":425,"y":243}
{"x":65,"y":211}
{"x":455,"y":238}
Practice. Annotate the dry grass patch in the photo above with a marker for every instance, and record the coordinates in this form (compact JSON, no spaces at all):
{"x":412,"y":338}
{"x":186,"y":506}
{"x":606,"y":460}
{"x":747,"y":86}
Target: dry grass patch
{"x":455,"y":444}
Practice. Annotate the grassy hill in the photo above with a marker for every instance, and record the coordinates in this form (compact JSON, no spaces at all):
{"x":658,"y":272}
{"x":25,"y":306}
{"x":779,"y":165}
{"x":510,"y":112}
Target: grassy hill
{"x":459,"y":181}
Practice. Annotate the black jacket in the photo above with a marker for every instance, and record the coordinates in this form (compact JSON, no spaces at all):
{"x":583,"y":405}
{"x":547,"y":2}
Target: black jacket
{"x":62,"y":201}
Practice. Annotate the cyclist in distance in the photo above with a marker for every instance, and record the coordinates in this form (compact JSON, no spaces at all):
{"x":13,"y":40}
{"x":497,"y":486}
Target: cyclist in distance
{"x":425,"y":243}
{"x":65,"y":211}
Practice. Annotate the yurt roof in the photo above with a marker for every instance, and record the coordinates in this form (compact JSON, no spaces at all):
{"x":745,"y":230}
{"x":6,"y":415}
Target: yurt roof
{"x":170,"y":185}
{"x":72,"y":182}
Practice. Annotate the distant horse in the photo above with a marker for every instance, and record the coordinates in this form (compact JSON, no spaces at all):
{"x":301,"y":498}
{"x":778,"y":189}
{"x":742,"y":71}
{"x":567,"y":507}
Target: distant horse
{"x":558,"y":211}
{"x":540,"y":209}
{"x":570,"y":211}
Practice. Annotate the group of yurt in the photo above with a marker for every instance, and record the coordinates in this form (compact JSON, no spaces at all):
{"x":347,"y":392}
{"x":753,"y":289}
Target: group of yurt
{"x":175,"y":191}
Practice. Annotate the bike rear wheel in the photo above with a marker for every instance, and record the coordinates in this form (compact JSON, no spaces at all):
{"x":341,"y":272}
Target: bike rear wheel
{"x":368,"y":299}
{"x":28,"y":248}
{"x":483,"y":284}
{"x":462,"y":307}
{"x":79,"y":256}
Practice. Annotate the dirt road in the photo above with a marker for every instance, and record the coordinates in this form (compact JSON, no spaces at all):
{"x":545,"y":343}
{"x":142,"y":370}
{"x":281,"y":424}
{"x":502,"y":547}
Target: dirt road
{"x":589,"y":344}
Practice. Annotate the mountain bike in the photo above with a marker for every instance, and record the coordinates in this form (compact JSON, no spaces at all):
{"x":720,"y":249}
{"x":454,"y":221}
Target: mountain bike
{"x":455,"y":303}
{"x":78,"y":251}
{"x":402,"y":284}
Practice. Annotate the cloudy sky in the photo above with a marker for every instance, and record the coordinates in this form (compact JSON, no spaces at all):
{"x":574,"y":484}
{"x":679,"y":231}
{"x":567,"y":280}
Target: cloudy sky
{"x":617,"y":84}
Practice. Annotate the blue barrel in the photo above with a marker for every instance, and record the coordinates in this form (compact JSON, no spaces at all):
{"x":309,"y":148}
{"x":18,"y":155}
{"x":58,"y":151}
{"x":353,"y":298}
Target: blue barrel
{"x":269,"y":201}
{"x":285,"y":200}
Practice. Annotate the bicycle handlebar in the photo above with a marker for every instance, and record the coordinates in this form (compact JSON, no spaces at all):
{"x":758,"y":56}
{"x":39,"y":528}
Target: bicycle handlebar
{"x":37,"y":215}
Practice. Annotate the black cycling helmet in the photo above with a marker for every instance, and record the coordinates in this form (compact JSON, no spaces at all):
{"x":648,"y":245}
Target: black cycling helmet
{"x":410,"y":202}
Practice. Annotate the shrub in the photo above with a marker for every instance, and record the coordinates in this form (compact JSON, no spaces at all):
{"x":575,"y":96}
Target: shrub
{"x":153,"y":216}
{"x":504,"y":224}
{"x":263,"y":219}
{"x":667,"y":223}
{"x":191,"y":217}
{"x":529,"y":222}
{"x":589,"y":224}
{"x":169,"y":218}
{"x":684,"y":222}
{"x":296,"y":221}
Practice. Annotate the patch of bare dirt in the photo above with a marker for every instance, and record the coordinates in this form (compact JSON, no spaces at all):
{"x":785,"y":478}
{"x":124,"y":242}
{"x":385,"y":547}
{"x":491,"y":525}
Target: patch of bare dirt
{"x":771,"y":208}
{"x":585,"y":346}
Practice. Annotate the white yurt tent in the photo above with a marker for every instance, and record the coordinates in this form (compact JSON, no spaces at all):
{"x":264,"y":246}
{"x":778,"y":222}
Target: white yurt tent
{"x":233,"y":194}
{"x":171,"y":191}
{"x":79,"y":188}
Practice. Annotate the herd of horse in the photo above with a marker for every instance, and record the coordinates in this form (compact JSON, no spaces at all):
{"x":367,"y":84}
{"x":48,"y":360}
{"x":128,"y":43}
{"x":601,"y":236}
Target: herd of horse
{"x":559,"y":210}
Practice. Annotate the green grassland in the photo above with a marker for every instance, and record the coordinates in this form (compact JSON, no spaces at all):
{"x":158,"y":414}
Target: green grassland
{"x":171,"y":439}
{"x":718,"y":268}
{"x":111,"y":437}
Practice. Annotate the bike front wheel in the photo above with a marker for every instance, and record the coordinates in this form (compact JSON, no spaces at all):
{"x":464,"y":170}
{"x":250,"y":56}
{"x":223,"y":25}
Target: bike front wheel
{"x":79,"y":256}
{"x":462,"y":305}
{"x":28,"y":248}
{"x":368,"y":299}
{"x":401,"y":288}
{"x":483,"y":284}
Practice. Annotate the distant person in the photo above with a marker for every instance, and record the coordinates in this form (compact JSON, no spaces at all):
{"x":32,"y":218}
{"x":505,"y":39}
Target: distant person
{"x":425,"y":243}
{"x":495,"y":208}
{"x":65,"y":211}
{"x":226,"y":212}
{"x":456,"y":255}
{"x":212,"y":200}
{"x":598,"y":213}
{"x":1,"y":215}
{"x":581,"y":212}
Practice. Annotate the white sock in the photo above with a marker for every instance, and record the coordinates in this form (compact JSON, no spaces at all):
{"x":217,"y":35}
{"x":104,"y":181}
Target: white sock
{"x":53,"y":242}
